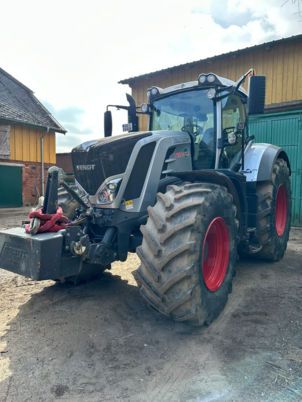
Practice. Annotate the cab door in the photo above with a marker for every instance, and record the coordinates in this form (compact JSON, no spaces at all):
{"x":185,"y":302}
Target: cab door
{"x":233,"y":116}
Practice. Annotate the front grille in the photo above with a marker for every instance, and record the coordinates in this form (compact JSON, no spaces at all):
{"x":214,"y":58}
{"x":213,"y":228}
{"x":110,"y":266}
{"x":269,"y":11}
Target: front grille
{"x":108,"y":157}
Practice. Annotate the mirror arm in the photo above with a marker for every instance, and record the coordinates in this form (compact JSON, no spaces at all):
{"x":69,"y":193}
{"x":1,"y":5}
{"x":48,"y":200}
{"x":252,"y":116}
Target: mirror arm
{"x":249,"y":73}
{"x":117,"y":107}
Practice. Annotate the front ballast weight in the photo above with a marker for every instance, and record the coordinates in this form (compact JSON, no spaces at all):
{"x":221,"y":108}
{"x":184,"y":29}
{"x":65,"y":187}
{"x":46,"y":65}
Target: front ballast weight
{"x":52,"y":246}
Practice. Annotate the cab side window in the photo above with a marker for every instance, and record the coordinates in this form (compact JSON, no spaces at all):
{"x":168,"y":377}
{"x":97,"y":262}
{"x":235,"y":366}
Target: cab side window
{"x":233,"y":121}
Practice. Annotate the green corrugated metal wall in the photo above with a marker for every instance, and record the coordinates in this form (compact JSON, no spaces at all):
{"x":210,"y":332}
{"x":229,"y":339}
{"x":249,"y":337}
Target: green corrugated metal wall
{"x":10,"y":186}
{"x":284,"y":129}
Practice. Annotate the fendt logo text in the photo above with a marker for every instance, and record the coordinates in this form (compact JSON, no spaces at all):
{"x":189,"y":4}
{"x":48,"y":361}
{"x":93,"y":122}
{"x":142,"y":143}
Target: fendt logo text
{"x":85,"y":167}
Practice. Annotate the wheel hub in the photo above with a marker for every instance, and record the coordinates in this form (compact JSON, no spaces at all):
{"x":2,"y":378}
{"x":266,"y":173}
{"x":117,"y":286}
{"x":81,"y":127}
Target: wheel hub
{"x":215,"y":254}
{"x":281,"y":210}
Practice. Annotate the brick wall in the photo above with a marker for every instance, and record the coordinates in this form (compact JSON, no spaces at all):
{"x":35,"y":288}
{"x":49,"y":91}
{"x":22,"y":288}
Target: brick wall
{"x":64,"y":161}
{"x":32,"y":181}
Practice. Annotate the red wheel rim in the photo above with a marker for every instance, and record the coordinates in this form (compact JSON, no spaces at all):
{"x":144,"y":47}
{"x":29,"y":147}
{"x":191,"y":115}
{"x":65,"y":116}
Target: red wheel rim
{"x":281,"y":210}
{"x":215,"y":254}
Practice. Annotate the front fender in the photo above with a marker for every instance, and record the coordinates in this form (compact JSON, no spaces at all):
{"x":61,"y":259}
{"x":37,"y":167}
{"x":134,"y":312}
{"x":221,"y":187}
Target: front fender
{"x":234,"y":182}
{"x":259,"y":160}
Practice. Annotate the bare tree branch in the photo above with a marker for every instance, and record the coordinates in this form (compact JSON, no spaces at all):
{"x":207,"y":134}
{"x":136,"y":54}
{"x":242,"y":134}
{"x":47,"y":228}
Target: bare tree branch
{"x":297,"y":3}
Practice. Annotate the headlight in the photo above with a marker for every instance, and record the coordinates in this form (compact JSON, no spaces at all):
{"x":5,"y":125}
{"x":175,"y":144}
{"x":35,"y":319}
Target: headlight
{"x":108,"y":191}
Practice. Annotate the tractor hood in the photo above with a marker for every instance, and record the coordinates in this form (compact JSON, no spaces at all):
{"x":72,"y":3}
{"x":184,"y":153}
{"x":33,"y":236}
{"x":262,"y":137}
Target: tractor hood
{"x":94,"y":161}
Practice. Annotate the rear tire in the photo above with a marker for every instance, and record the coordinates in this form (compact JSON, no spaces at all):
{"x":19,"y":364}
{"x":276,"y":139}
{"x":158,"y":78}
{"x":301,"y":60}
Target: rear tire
{"x":188,"y":252}
{"x":275,"y":213}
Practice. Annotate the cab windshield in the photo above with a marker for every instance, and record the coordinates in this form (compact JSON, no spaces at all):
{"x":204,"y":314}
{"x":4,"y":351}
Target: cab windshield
{"x":193,"y":112}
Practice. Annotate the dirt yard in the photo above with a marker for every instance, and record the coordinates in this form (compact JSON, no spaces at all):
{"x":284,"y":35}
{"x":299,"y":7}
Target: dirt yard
{"x":99,"y":342}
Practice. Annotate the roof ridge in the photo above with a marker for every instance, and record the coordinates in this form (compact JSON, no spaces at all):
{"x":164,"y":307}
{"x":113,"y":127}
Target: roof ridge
{"x":18,"y":100}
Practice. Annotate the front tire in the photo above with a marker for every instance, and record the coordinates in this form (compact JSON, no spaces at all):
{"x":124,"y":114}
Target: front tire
{"x":188,"y":252}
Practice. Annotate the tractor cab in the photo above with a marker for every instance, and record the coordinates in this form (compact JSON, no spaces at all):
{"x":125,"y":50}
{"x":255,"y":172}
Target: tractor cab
{"x":215,"y":123}
{"x":212,"y":110}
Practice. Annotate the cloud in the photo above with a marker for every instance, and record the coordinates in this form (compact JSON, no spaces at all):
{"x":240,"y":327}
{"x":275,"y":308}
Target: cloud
{"x":70,"y":118}
{"x":76,"y":66}
{"x":70,"y":114}
{"x":72,"y":129}
{"x":66,"y":142}
{"x":233,"y":13}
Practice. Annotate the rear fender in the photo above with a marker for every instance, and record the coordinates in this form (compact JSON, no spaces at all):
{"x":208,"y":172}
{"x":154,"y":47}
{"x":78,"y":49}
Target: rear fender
{"x":259,"y":160}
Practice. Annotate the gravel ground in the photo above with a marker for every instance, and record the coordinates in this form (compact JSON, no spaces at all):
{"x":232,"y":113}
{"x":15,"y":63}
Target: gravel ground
{"x":99,"y":342}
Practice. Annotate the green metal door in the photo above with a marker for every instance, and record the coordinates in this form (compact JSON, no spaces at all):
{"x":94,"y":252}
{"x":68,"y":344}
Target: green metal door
{"x":285,"y":130}
{"x":10,"y":186}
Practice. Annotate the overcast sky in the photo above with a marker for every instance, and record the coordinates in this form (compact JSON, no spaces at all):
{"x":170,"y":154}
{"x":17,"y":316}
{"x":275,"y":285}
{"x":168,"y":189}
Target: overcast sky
{"x":72,"y":53}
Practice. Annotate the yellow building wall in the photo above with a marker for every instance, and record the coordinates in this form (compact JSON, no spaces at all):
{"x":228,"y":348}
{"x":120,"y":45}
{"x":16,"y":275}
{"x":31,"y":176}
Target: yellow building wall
{"x":25,"y":145}
{"x":281,"y":64}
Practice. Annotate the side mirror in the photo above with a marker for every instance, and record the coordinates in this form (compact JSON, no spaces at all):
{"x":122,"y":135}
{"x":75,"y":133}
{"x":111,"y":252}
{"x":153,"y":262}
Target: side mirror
{"x":132,"y":117}
{"x":107,"y":123}
{"x":256,"y":95}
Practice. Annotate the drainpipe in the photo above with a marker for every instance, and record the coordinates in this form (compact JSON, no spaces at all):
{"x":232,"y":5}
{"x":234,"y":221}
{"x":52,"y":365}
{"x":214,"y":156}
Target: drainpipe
{"x":42,"y":161}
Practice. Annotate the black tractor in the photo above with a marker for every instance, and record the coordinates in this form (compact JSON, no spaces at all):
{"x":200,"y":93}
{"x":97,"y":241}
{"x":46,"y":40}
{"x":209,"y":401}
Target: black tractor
{"x":187,"y":196}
